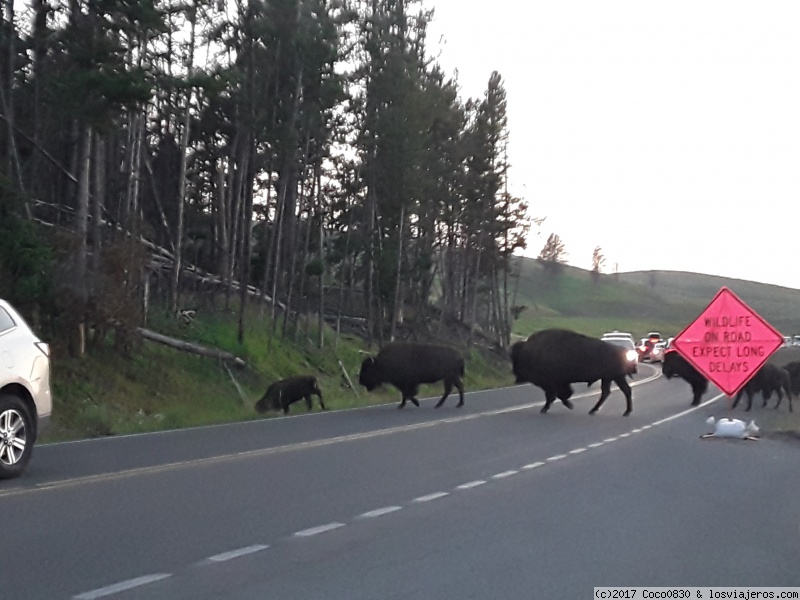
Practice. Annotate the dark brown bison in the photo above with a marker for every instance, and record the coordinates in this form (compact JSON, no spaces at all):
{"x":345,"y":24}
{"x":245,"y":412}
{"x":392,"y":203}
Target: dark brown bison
{"x":793,"y":368}
{"x":553,"y":359}
{"x":406,"y":365}
{"x":769,"y":378}
{"x":287,"y":391}
{"x":675,"y":365}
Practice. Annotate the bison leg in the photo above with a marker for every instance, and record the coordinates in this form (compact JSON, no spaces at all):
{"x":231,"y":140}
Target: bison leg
{"x":448,"y":387}
{"x":564,"y":394}
{"x":605,"y":390}
{"x":549,"y":398}
{"x":739,"y":395}
{"x":321,"y":405}
{"x":698,"y":389}
{"x":626,"y":390}
{"x":460,"y":387}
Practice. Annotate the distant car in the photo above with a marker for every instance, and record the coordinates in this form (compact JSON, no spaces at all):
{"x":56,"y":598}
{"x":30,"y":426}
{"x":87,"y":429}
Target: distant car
{"x":657,"y":353}
{"x":618,"y":334}
{"x":796,"y":340}
{"x":647,"y":344}
{"x":25,"y":400}
{"x":623,"y":342}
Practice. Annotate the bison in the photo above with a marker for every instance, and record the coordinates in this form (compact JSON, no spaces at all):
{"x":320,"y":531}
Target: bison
{"x":406,"y":365}
{"x":553,"y":359}
{"x":287,"y":391}
{"x":675,"y":365}
{"x":793,"y":368}
{"x":769,"y":378}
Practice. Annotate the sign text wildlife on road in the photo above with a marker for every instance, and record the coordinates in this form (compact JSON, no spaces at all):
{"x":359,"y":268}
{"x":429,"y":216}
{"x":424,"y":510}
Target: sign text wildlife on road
{"x":728,"y":342}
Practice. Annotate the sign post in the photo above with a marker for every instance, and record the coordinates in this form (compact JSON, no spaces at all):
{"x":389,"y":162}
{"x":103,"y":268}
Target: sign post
{"x":728,"y":343}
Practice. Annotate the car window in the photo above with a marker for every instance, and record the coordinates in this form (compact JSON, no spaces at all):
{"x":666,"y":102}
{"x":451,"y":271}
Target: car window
{"x":6,"y":322}
{"x":621,"y":342}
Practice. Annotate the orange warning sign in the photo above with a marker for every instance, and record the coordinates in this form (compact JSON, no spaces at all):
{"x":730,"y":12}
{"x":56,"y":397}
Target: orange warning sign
{"x":728,"y":342}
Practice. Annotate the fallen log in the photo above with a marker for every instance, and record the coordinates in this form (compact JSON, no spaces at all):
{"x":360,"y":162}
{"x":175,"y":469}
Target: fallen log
{"x":190,"y":347}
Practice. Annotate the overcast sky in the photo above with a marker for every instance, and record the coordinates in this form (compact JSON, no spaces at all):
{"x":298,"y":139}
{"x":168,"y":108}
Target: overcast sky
{"x":667,"y":133}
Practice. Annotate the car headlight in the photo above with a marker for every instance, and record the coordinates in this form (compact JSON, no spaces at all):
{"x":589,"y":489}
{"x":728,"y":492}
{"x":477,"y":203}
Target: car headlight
{"x":631,"y":355}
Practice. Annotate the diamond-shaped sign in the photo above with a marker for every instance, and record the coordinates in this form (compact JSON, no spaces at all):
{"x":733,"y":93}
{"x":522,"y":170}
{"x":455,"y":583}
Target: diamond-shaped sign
{"x":728,"y":342}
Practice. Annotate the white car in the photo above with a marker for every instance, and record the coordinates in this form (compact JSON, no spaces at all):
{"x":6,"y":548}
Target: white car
{"x":25,"y":399}
{"x":624,"y":342}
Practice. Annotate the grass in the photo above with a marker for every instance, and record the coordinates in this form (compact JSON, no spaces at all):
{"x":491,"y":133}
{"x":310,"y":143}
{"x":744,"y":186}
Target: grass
{"x":160,"y":388}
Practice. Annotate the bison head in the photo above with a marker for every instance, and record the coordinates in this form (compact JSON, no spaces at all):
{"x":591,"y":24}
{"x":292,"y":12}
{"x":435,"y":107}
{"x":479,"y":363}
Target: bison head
{"x":369,"y":376}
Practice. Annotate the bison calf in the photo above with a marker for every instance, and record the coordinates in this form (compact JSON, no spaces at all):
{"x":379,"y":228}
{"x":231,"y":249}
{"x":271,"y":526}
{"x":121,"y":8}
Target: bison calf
{"x":406,"y":365}
{"x":675,"y":365}
{"x":287,"y":391}
{"x":553,"y":359}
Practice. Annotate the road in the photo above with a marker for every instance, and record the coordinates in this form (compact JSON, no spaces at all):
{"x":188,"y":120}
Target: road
{"x":494,"y":500}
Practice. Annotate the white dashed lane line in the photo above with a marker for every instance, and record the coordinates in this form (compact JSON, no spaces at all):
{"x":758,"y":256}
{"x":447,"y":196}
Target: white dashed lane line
{"x":317,"y":530}
{"x":306,"y":533}
{"x":470,"y":485}
{"x":532,"y":466}
{"x":226,"y":556}
{"x":122,"y":586}
{"x":379,"y":512}
{"x":556,"y":457}
{"x":429,"y":497}
{"x":505,"y":474}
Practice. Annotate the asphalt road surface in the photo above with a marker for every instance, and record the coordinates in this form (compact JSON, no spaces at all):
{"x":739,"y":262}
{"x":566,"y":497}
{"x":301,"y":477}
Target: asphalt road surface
{"x":493,"y":500}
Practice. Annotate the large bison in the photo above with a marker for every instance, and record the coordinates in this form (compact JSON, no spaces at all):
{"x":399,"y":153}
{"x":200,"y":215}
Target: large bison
{"x":406,"y":365}
{"x":675,"y":365}
{"x":287,"y":391}
{"x":553,"y":359}
{"x":769,"y":378}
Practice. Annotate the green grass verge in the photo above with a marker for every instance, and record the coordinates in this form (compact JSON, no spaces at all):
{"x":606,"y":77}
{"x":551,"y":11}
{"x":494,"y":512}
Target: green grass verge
{"x":161,"y":388}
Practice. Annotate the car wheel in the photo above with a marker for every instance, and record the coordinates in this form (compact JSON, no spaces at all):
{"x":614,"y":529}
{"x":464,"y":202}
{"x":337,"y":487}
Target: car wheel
{"x":16,"y":436}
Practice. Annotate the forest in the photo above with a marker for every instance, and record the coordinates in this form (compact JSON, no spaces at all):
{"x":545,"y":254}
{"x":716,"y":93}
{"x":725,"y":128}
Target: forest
{"x":305,"y":156}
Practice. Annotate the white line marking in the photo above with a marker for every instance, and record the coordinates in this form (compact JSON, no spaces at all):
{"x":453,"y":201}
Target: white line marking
{"x":609,"y":440}
{"x":689,"y":410}
{"x":596,"y":444}
{"x":530,"y":466}
{"x":636,"y":431}
{"x":379,"y":512}
{"x":505,"y":474}
{"x":317,"y":530}
{"x":470,"y":485}
{"x":430,"y":497}
{"x":556,"y":457}
{"x":645,"y":427}
{"x":121,"y":586}
{"x":624,"y":435}
{"x":237,"y":553}
{"x":577,"y":450}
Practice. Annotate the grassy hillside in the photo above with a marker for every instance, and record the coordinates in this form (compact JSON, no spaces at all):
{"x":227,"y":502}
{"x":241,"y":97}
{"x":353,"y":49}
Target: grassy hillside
{"x":640,"y":301}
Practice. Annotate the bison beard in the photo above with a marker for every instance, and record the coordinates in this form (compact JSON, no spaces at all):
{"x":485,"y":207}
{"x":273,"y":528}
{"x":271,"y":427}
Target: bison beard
{"x":406,"y":365}
{"x":553,"y":359}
